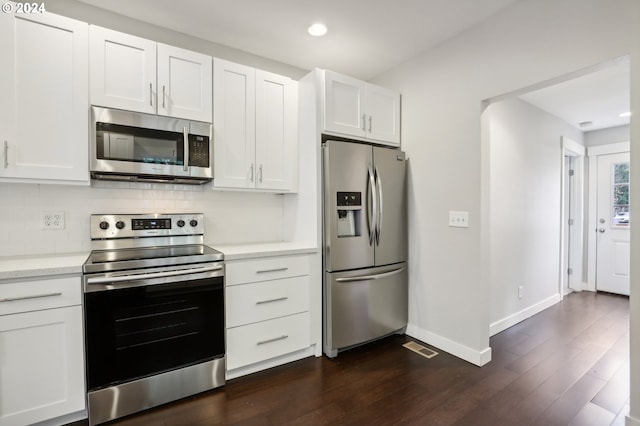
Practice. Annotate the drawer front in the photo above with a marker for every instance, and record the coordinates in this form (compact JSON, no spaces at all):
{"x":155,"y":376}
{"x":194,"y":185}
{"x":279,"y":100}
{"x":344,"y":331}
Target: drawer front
{"x":254,"y":302}
{"x":272,"y":268}
{"x":268,"y":339}
{"x":29,"y":296}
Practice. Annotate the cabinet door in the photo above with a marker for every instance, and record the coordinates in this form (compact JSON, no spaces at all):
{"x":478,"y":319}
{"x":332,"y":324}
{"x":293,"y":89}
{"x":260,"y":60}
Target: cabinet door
{"x":276,"y":131}
{"x":184,"y":84}
{"x":123,"y":71}
{"x":344,"y":110}
{"x":234,"y":118}
{"x":42,"y":366}
{"x":44,"y":103}
{"x":383,"y":120}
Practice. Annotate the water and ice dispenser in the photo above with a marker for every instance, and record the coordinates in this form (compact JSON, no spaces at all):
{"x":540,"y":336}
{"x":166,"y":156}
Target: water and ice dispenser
{"x":349,"y":211}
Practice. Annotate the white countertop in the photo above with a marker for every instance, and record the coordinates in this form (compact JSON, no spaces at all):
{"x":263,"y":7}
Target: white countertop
{"x":250,"y":251}
{"x":13,"y":267}
{"x":33,"y":266}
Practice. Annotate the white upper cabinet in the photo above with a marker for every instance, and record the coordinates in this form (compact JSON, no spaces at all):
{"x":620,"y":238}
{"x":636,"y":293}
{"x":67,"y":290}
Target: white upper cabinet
{"x":356,"y":108}
{"x":123,"y":71}
{"x":137,"y":74}
{"x":45,"y":101}
{"x":255,"y":131}
{"x":184,"y":83}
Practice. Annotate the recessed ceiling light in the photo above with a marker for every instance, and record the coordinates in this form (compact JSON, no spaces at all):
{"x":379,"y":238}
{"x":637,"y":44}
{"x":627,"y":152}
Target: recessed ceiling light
{"x":318,"y":29}
{"x":625,"y":114}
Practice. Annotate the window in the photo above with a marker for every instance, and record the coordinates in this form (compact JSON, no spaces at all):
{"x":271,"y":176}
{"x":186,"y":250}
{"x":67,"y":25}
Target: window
{"x":620,"y":202}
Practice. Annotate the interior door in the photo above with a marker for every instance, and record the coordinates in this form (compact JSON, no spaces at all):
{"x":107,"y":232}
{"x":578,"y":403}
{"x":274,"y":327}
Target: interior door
{"x":613,"y":241}
{"x":391,"y":224}
{"x":348,"y":192}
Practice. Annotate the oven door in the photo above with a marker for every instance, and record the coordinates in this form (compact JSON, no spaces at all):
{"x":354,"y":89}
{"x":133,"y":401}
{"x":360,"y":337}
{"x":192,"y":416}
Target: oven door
{"x":148,"y":322}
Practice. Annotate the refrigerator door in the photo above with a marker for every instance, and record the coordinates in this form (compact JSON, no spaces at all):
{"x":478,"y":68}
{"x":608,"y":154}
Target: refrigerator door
{"x":364,"y":305}
{"x":349,"y":189}
{"x":391,"y":223}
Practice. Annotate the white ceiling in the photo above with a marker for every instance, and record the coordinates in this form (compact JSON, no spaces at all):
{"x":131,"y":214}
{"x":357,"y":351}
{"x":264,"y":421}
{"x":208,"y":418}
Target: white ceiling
{"x":366,"y":38}
{"x":598,"y":97}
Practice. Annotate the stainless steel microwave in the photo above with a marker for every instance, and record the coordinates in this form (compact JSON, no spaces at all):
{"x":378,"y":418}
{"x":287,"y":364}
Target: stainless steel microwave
{"x":133,"y":146}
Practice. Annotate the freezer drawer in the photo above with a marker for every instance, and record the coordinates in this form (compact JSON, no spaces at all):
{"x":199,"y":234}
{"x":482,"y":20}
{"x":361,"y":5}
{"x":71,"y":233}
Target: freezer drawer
{"x":364,"y":305}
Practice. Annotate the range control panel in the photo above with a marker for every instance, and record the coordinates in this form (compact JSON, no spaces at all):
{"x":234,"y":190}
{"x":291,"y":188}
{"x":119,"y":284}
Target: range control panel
{"x":108,"y":226}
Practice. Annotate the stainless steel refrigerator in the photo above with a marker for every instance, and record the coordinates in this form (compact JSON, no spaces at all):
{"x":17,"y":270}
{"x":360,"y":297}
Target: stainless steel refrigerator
{"x":365,"y":290}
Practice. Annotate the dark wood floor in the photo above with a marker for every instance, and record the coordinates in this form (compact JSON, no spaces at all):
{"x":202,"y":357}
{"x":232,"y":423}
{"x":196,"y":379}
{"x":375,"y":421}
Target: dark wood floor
{"x":568,"y":365}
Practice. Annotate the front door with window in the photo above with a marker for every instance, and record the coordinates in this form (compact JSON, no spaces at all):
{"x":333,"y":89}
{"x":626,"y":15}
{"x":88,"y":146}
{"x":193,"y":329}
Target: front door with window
{"x":613,"y":240}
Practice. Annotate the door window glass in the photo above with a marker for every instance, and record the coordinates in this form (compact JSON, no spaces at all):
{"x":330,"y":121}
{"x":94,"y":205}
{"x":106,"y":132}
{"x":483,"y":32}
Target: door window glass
{"x":620,"y":199}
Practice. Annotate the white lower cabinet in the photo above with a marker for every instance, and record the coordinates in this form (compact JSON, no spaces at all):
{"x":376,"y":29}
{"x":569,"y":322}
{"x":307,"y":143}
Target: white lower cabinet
{"x":267,"y":309}
{"x":41,"y":351}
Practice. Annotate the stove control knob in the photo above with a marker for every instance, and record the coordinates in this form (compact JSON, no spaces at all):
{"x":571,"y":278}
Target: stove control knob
{"x":104,"y":225}
{"x":180,"y":223}
{"x":193,"y":223}
{"x":120,"y":224}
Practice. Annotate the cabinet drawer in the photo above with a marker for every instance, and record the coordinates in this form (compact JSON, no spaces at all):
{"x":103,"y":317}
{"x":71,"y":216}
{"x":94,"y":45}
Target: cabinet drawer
{"x":271,"y":268}
{"x":268,"y":339}
{"x":42,"y":294}
{"x":249,"y":303}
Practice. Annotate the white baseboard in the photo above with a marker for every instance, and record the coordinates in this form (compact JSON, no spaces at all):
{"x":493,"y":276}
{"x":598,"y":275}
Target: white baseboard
{"x":513,"y":319}
{"x":632,"y":421}
{"x":459,"y":350}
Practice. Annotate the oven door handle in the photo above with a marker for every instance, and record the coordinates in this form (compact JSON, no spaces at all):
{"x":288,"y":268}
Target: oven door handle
{"x":146,"y":276}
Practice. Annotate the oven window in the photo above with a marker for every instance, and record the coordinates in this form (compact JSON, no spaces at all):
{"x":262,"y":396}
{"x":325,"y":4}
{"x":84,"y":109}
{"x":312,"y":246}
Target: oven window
{"x":136,"y":332}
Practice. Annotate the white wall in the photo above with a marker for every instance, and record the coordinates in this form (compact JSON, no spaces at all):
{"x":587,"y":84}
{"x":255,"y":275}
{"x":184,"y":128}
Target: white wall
{"x":230,"y":217}
{"x":525,"y":204}
{"x":607,"y":136}
{"x":528,"y":43}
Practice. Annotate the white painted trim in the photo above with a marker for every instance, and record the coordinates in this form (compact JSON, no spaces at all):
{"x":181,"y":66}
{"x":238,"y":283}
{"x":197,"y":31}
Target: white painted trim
{"x":592,"y":209}
{"x":456,"y":349}
{"x":612,"y":148}
{"x":513,"y":319}
{"x":573,"y":149}
{"x":632,"y":421}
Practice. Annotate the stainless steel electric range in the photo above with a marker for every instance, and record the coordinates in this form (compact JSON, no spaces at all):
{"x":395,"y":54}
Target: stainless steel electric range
{"x":154,"y":313}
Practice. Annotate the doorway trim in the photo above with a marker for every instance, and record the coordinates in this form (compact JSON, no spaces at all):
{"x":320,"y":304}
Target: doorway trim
{"x":575,"y":245}
{"x":592,"y":154}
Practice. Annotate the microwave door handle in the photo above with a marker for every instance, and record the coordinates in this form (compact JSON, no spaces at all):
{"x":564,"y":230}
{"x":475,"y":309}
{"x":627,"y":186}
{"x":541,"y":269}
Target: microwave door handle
{"x":186,"y":149}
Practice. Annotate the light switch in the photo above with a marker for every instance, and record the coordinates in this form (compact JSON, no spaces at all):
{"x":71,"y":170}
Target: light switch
{"x":459,"y":219}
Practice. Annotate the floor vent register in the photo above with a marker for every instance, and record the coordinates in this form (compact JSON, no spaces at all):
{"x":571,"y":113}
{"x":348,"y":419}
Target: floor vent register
{"x":419,"y":349}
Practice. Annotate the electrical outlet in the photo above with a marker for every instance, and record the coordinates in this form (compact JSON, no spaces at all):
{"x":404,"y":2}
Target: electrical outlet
{"x":53,"y":220}
{"x":520,"y":291}
{"x":459,"y":219}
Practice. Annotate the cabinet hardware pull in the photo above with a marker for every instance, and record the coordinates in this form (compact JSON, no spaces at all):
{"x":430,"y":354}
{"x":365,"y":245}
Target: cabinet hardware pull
{"x":151,"y":94}
{"x":263,"y":271}
{"x":260,"y":173}
{"x":279,"y":299}
{"x":275,"y":339}
{"x":35,"y":296}
{"x":369,"y":124}
{"x":163,"y":95}
{"x":364,"y":126}
{"x":251,"y":172}
{"x":6,"y":154}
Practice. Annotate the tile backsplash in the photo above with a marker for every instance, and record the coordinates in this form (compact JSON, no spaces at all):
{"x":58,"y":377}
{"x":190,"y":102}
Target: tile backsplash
{"x":230,"y":217}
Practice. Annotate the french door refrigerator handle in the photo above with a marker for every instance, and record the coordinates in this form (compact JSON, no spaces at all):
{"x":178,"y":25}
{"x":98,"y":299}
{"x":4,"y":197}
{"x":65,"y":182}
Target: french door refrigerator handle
{"x":380,"y":210}
{"x":370,"y":277}
{"x":373,"y":213}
